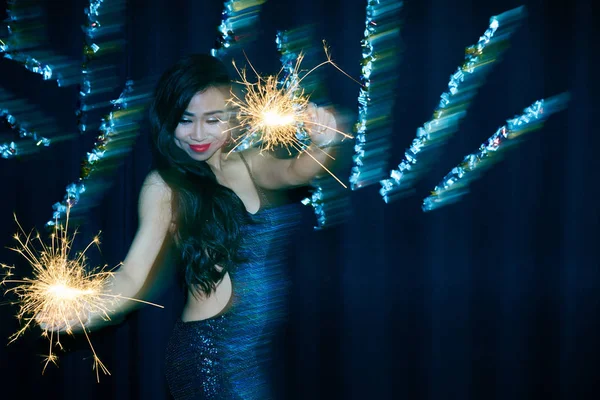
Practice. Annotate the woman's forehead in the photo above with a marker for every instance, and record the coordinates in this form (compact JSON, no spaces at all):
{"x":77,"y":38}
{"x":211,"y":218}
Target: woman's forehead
{"x":209,"y":99}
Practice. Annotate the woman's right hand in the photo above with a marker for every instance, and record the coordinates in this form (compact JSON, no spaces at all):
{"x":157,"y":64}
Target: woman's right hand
{"x":69,"y":322}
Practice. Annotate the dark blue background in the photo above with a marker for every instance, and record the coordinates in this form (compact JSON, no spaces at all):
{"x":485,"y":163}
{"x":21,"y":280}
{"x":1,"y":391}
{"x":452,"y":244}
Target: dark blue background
{"x":496,"y":297}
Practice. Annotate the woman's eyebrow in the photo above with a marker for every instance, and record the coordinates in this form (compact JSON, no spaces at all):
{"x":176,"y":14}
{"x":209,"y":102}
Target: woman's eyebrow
{"x":214,"y":112}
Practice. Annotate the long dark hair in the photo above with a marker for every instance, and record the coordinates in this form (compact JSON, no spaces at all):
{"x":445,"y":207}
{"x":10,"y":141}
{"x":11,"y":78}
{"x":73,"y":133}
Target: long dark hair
{"x":208,"y":216}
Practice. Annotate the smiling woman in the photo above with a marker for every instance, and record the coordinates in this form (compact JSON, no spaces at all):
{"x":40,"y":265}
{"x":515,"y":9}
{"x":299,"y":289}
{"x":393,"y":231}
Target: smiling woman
{"x":200,"y":132}
{"x":227,"y":229}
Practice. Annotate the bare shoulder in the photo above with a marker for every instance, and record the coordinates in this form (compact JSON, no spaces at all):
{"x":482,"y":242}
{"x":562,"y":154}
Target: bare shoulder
{"x":256,"y":158}
{"x":155,"y":196}
{"x":155,"y":186}
{"x":155,"y":179}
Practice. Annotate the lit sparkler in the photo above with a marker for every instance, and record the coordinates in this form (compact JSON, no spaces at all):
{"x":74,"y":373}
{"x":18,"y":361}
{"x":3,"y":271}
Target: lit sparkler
{"x":62,"y":293}
{"x":274,"y":112}
{"x":270,"y":113}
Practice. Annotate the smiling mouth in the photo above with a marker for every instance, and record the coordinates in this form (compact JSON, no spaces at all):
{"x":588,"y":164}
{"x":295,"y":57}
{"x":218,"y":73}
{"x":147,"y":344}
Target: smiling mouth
{"x":199,"y":148}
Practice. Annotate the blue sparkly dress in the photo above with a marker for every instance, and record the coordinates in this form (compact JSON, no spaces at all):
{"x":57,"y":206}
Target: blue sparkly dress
{"x":224,"y":357}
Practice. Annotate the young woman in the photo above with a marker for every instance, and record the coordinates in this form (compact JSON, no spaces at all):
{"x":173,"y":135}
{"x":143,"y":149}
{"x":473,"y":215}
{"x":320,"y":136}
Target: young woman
{"x":226,"y":229}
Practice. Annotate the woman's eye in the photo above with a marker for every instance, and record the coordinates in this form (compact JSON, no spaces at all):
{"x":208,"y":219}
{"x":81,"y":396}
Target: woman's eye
{"x":213,"y":121}
{"x":185,"y":121}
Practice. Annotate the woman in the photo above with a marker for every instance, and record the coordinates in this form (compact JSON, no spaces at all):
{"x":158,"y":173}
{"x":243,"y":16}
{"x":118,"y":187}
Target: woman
{"x":225,"y":227}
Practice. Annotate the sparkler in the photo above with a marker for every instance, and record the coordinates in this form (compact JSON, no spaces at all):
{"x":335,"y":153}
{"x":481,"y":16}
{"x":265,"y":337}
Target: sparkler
{"x":274,"y":111}
{"x":62,"y":294}
{"x":270,"y":113}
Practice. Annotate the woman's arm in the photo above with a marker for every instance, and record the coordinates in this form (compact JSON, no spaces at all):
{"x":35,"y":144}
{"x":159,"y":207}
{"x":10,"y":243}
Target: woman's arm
{"x":155,"y":218}
{"x":274,"y":173}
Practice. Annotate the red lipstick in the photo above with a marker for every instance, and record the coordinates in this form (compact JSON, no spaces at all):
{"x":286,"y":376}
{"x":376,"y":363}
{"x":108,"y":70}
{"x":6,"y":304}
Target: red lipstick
{"x":199,"y":148}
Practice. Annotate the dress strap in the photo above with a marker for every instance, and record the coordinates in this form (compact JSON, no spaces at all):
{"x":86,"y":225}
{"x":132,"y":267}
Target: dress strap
{"x":261,"y":194}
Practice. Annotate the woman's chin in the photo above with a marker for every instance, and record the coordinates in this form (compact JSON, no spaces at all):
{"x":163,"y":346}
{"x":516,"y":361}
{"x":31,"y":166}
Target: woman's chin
{"x":199,"y":156}
{"x":202,"y":156}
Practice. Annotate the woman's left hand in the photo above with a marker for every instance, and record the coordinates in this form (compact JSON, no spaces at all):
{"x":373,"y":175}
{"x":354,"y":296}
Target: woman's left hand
{"x":322,"y":125}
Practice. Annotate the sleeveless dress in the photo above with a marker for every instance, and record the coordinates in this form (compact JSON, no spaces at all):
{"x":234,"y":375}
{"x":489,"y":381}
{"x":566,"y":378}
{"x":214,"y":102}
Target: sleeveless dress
{"x":224,"y":357}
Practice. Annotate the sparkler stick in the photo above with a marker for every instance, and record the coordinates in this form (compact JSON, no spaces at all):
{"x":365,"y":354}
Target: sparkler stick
{"x":62,"y":293}
{"x":453,"y":106}
{"x":456,"y":183}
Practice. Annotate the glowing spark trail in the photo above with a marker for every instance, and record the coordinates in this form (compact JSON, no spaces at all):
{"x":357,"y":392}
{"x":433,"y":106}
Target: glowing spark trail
{"x":118,"y":131}
{"x":27,"y":122}
{"x":7,"y":105}
{"x":376,"y":99}
{"x":27,"y":44}
{"x":456,"y":183}
{"x":98,"y":75}
{"x":238,"y":25}
{"x":24,"y":35}
{"x":454,"y":104}
{"x":62,"y":293}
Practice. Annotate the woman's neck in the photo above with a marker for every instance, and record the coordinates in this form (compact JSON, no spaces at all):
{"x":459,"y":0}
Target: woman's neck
{"x":215,"y":162}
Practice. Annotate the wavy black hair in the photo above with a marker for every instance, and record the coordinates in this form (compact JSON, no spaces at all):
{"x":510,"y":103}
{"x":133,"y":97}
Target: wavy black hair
{"x":208,"y":216}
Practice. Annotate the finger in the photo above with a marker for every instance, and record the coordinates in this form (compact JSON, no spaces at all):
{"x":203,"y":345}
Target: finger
{"x":311,"y":112}
{"x":321,"y":114}
{"x":321,"y":121}
{"x":332,"y":123}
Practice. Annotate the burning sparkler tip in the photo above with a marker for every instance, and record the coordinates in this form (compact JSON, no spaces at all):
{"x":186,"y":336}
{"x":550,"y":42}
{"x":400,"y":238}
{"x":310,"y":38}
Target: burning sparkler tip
{"x":62,"y":290}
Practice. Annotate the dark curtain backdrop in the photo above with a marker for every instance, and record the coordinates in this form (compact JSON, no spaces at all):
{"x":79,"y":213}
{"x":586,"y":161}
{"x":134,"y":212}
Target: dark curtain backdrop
{"x":496,"y":297}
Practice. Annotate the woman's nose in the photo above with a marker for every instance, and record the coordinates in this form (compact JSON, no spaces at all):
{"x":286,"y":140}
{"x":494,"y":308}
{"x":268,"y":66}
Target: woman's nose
{"x":198,"y":132}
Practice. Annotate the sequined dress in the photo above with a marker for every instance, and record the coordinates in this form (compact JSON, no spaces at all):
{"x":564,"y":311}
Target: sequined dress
{"x":224,"y":357}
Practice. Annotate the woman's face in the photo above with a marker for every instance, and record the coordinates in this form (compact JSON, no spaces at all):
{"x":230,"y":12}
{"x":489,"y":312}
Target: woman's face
{"x":200,"y":132}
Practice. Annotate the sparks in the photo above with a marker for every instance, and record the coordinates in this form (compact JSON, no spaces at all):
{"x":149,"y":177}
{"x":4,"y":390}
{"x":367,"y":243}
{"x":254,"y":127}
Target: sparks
{"x":270,"y":113}
{"x":273,"y":111}
{"x":62,"y":293}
